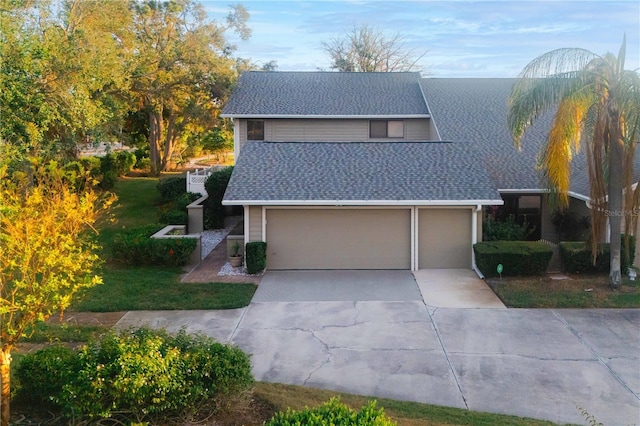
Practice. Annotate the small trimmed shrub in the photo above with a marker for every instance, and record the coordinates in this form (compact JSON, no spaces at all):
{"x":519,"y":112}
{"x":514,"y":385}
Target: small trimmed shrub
{"x":517,"y":257}
{"x":145,"y":375}
{"x":216,"y":185}
{"x":136,"y":247}
{"x":333,"y":412}
{"x":576,"y":257}
{"x":256,"y":256}
{"x":172,"y":188}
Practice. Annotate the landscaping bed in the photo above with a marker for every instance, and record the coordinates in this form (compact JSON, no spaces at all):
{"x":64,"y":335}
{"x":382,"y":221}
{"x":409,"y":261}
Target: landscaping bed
{"x":576,"y":291}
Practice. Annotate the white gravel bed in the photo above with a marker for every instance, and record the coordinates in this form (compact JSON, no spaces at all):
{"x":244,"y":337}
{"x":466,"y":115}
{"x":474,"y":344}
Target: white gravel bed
{"x":210,"y":239}
{"x":227,"y":269}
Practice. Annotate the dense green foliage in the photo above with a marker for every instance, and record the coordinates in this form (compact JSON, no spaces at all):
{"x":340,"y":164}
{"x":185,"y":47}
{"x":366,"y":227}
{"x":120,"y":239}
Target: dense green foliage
{"x":216,"y":185}
{"x":172,"y":187}
{"x":143,"y":375}
{"x":333,"y":412}
{"x":256,"y":256}
{"x":135,"y":247}
{"x":78,"y":73}
{"x":569,"y":227}
{"x":173,"y":191}
{"x":509,"y":230}
{"x":577,"y":256}
{"x":43,"y":374}
{"x":113,"y":166}
{"x":517,"y":257}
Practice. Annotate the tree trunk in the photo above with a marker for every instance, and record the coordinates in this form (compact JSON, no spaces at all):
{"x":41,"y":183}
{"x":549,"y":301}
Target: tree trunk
{"x":615,"y":208}
{"x":5,"y":382}
{"x":169,"y":141}
{"x":155,"y":135}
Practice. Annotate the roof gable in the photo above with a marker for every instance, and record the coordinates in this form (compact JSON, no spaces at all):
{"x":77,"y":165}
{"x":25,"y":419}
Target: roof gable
{"x":326,"y":94}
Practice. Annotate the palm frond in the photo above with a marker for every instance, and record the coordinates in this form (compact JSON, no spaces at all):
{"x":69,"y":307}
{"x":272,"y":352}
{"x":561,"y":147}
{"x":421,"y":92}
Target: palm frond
{"x":563,"y":142}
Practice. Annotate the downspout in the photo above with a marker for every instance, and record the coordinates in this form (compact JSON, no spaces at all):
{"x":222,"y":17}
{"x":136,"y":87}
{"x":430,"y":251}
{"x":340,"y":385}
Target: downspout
{"x":474,"y":239}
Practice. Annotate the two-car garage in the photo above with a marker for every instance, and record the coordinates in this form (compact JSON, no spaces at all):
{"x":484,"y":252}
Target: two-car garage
{"x":368,"y":238}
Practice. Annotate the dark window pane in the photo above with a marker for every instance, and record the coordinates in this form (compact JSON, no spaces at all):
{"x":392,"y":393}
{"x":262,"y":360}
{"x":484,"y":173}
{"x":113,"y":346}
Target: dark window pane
{"x":378,"y":129}
{"x":255,"y":130}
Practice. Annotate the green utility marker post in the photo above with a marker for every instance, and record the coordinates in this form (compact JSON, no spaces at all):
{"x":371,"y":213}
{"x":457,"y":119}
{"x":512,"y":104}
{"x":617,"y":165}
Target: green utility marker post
{"x":499,"y":270}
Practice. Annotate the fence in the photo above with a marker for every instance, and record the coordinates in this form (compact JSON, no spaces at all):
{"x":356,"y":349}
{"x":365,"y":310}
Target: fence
{"x":196,"y":180}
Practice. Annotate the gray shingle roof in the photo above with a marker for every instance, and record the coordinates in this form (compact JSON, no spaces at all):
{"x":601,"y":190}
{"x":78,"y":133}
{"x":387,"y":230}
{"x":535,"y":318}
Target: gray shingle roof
{"x":475,"y":109}
{"x":359,"y":171}
{"x":261,"y":94}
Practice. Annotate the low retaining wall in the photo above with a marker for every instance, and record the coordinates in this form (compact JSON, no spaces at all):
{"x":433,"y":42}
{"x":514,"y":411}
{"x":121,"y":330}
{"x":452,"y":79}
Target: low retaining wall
{"x":196,"y":215}
{"x":180,"y":231}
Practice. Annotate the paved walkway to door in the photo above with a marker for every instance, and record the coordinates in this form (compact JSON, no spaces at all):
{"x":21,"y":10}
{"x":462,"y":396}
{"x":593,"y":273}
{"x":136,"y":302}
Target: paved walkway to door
{"x":455,"y":288}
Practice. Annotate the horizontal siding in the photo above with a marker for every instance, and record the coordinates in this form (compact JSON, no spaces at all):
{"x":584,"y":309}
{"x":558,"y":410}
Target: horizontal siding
{"x":332,"y":130}
{"x":319,"y":130}
{"x":255,"y":223}
{"x":418,"y":130}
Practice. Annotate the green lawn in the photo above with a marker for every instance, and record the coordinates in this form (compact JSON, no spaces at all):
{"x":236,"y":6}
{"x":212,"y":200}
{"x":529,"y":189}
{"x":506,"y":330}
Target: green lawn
{"x":71,"y":333}
{"x":146,"y":287}
{"x":577,"y":292}
{"x":137,"y":202}
{"x":156,"y":288}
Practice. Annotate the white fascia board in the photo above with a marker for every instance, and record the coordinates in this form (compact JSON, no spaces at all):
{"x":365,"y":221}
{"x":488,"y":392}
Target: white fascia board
{"x":575,"y":195}
{"x":364,"y":202}
{"x":265,"y":116}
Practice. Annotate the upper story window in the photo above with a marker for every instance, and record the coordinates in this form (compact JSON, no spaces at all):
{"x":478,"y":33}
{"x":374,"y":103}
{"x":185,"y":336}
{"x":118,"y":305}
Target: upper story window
{"x":255,"y":130}
{"x":386,"y":129}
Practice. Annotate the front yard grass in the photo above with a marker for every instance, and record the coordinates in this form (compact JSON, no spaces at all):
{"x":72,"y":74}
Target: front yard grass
{"x":129,"y":288}
{"x":155,"y":288}
{"x":579,"y":291}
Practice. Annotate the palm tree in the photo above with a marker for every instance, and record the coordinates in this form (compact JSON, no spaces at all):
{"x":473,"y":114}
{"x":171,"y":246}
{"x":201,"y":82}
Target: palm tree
{"x":597,"y":105}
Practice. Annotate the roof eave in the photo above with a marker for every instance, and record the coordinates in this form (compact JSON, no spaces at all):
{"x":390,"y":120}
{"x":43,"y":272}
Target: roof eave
{"x":404,"y":116}
{"x":573,"y":194}
{"x":487,"y":202}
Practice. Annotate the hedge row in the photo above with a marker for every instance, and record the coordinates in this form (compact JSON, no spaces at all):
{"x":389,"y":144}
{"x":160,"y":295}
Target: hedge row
{"x":136,"y":247}
{"x":516,"y":257}
{"x":143,"y":375}
{"x":577,"y":257}
{"x":216,"y":185}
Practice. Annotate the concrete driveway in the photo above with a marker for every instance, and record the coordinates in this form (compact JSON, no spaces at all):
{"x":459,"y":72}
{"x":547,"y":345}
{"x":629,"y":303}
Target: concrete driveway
{"x":537,"y":363}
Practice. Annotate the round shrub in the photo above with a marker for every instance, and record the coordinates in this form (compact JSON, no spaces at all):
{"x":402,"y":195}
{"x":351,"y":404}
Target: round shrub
{"x":333,"y":412}
{"x":141,"y":375}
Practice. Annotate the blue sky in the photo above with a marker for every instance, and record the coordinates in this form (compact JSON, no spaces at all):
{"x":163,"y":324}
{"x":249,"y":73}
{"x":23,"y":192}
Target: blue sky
{"x":462,"y":38}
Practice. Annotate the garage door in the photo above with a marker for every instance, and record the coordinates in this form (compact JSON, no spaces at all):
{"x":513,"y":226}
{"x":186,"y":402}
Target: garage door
{"x":444,"y":238}
{"x":338,"y":239}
